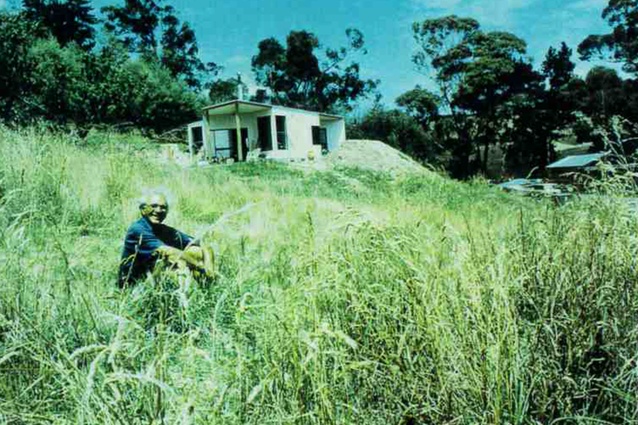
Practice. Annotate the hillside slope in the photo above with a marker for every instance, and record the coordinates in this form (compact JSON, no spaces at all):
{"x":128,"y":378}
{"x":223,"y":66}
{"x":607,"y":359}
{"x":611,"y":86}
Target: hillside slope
{"x":406,"y":299}
{"x":374,"y":155}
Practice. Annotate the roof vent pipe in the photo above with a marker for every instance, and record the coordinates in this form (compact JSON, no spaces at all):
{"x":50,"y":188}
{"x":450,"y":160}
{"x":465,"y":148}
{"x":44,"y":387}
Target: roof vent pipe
{"x":239,"y":88}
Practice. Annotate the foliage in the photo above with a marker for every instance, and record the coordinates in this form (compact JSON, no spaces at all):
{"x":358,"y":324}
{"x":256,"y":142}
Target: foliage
{"x":296,"y":76}
{"x":424,"y":300}
{"x":16,"y":38}
{"x":225,"y":90}
{"x":621,"y":44}
{"x":606,"y":95}
{"x":479,"y":75}
{"x":538,"y":117}
{"x":136,"y":24}
{"x":558,"y":67}
{"x":420,"y":103}
{"x":68,"y":85}
{"x":152,"y":30}
{"x":59,"y":81}
{"x":397,"y":129}
{"x":69,"y":21}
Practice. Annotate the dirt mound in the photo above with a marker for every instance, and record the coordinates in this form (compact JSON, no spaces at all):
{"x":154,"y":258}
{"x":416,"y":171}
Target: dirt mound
{"x":375,"y":156}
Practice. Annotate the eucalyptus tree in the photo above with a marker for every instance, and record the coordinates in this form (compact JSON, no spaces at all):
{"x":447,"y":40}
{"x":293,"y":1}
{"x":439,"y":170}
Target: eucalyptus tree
{"x":479,"y":76}
{"x":302,"y":74}
{"x":621,"y":44}
{"x":152,"y":30}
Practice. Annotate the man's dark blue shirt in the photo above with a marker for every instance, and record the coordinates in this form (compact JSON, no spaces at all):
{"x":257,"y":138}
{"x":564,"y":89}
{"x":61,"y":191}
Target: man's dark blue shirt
{"x":140,"y":243}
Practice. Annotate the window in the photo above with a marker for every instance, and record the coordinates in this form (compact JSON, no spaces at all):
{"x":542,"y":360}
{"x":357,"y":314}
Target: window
{"x":222,"y":143}
{"x":197,"y":134}
{"x":226,"y":143}
{"x":280,"y":125}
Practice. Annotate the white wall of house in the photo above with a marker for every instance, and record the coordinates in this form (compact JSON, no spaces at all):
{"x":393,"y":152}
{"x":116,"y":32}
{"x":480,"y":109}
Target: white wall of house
{"x":227,"y":122}
{"x":336,"y":130}
{"x":298,"y":133}
{"x":299,"y":125}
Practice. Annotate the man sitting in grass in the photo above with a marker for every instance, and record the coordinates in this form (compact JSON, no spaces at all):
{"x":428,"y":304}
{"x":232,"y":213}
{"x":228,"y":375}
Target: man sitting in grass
{"x":148,"y":240}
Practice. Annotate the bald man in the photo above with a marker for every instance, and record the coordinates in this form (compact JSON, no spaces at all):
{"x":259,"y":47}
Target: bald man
{"x":148,"y":240}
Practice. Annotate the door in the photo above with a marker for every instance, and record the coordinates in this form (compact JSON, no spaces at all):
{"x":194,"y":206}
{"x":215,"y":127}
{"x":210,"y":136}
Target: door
{"x":320,"y":137}
{"x":264,"y":134}
{"x":233,"y":143}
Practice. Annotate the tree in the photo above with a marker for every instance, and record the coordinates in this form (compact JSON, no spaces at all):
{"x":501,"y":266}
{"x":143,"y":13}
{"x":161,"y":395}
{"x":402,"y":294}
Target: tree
{"x":136,"y":24}
{"x":548,"y":112}
{"x":154,"y":32}
{"x":558,"y":67}
{"x":297,"y":77}
{"x":70,"y":21}
{"x":136,"y":92}
{"x":180,"y":52}
{"x":435,"y":39}
{"x":397,"y":129}
{"x":224,"y":90}
{"x":59,"y":82}
{"x":420,"y":103}
{"x":621,"y":44}
{"x":477,"y":74}
{"x":606,"y":94}
{"x":16,"y":38}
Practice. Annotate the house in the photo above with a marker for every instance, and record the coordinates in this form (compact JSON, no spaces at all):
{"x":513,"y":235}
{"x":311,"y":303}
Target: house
{"x":275,"y":132}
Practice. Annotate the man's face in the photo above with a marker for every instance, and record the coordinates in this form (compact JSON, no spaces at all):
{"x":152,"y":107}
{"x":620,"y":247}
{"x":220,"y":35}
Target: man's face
{"x":156,"y":209}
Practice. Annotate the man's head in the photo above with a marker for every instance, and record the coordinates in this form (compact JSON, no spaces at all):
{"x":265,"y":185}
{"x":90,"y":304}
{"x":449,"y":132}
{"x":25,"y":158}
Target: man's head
{"x":154,"y":207}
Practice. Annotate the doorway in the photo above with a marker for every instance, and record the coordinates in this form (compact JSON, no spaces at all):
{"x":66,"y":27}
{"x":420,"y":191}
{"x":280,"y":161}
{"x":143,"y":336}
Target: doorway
{"x":264,"y":135}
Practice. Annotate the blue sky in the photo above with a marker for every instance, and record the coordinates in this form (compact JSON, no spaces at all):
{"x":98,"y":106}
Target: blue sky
{"x":228,"y":31}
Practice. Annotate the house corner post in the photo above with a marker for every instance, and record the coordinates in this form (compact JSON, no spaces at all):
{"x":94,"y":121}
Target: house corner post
{"x":206,"y":137}
{"x":240,"y":154}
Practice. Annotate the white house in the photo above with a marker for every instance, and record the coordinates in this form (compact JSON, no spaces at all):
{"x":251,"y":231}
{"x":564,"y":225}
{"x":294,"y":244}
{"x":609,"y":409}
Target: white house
{"x":276,"y":132}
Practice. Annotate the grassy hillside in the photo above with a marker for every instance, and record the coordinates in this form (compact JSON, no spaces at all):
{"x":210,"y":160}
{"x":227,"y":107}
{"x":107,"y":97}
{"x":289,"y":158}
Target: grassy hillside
{"x":418,"y":300}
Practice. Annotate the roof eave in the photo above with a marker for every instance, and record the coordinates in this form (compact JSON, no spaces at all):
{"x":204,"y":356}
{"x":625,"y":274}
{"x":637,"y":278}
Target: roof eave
{"x":230,"y":102}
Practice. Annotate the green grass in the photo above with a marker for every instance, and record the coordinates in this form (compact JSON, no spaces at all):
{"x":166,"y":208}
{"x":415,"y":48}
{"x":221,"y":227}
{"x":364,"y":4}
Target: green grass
{"x":342,"y":297}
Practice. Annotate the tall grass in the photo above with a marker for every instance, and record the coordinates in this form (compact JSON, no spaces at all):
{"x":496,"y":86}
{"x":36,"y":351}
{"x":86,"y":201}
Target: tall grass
{"x":419,"y":300}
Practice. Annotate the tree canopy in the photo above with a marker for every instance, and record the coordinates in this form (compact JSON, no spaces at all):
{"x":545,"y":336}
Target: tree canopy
{"x":153,"y":30}
{"x":300,"y":75}
{"x":480,"y":77}
{"x":621,"y":44}
{"x":67,"y":21}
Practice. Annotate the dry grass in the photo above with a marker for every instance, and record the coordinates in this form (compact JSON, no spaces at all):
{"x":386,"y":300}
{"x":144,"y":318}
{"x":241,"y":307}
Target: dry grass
{"x":414,"y":300}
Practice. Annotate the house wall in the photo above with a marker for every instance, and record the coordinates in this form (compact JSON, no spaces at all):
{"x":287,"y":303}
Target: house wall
{"x":227,"y":122}
{"x":336,"y":131}
{"x":298,"y":131}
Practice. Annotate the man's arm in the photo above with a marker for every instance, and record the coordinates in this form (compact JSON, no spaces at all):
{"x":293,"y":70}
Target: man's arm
{"x":184,"y":250}
{"x":177,"y":256}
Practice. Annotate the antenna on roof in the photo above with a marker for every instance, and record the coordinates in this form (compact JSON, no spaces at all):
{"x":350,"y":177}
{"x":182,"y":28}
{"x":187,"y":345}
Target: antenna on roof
{"x":239,"y":88}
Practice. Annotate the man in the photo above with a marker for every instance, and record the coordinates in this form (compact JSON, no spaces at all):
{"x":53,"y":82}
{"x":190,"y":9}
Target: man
{"x":148,"y":240}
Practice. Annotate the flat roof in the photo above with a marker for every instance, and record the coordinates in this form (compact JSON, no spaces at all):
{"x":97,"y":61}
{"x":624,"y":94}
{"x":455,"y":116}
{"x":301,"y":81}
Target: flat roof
{"x":243,"y":106}
{"x":576,"y":161}
{"x":330,"y":117}
{"x":247,"y":107}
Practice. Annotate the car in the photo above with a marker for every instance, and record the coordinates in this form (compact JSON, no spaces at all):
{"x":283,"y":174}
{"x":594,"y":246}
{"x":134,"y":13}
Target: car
{"x":537,"y":188}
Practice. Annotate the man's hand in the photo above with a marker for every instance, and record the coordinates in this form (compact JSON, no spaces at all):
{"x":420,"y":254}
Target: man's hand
{"x":193,"y":257}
